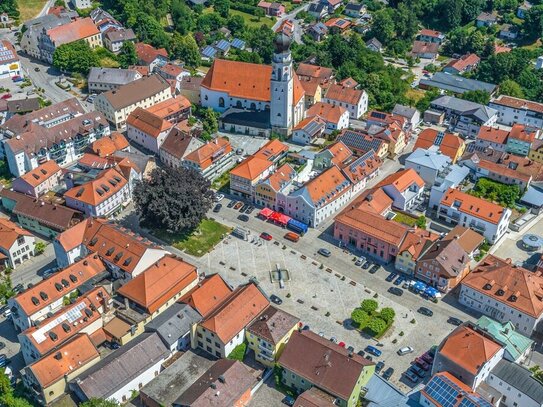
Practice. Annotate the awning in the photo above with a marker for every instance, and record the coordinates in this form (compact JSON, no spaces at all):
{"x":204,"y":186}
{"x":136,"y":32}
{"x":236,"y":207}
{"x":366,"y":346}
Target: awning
{"x":266,"y":212}
{"x":419,"y":285}
{"x":280,"y":218}
{"x":297,"y":225}
{"x":533,"y":197}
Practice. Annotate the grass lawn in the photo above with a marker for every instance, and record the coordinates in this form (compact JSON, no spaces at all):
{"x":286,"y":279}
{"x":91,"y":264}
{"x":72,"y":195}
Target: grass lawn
{"x":405,"y":219}
{"x":415,"y":94}
{"x":200,"y":241}
{"x":108,"y":62}
{"x":253,"y":21}
{"x":222,"y":183}
{"x":30,"y":8}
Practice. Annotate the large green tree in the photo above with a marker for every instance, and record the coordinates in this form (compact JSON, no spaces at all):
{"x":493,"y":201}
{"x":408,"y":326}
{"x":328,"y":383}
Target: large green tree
{"x":185,"y":48}
{"x":75,"y":57}
{"x":533,"y":22}
{"x":128,"y":55}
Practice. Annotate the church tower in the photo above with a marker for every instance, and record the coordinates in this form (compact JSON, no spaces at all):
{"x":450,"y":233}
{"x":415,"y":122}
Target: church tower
{"x":282,"y":87}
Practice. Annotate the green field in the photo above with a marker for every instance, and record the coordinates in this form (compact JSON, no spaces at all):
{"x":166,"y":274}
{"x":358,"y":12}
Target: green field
{"x":405,"y":219}
{"x":30,"y":8}
{"x":253,"y":21}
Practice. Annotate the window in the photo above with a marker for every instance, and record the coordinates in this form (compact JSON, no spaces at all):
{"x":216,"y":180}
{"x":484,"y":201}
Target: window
{"x":221,"y":102}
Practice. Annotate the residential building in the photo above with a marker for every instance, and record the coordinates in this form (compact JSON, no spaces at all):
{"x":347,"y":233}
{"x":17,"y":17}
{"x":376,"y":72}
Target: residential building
{"x":426,"y":35}
{"x":47,"y":378}
{"x":105,"y":79}
{"x":451,"y":178}
{"x":490,"y":219}
{"x":224,"y":327}
{"x":147,"y":129}
{"x":81,"y":4}
{"x":176,"y":146}
{"x":172,"y":72}
{"x":84,"y":315}
{"x":354,"y":100}
{"x":359,"y":170}
{"x":491,"y":137}
{"x":441,"y":388}
{"x":466,"y":63}
{"x":518,"y":111}
{"x":125,"y":254}
{"x":317,"y":10}
{"x":468,"y":239}
{"x":308,"y":72}
{"x":9,"y":60}
{"x":268,"y":335}
{"x":456,"y":84}
{"x":523,"y":9}
{"x":505,"y":293}
{"x":103,"y":20}
{"x":272,"y":9}
{"x":121,"y":372}
{"x":308,"y":130}
{"x":33,"y":30}
{"x":424,"y":50}
{"x":318,"y":30}
{"x":375,"y":45}
{"x":226,"y":383}
{"x":390,"y":131}
{"x":116,"y":105}
{"x":211,"y":159}
{"x":335,"y":154}
{"x":176,"y":109}
{"x":335,"y":117}
{"x":415,"y":243}
{"x":354,"y":10}
{"x":428,"y":163}
{"x":443,"y":265}
{"x":536,"y":151}
{"x":79,"y":29}
{"x":468,"y":355}
{"x":22,"y":106}
{"x":447,"y":143}
{"x":208,"y":294}
{"x":310,"y":360}
{"x":486,"y":19}
{"x":107,"y":146}
{"x":502,"y":173}
{"x":42,"y":217}
{"x":520,"y":140}
{"x":516,"y":384}
{"x":360,"y":143}
{"x":115,"y":38}
{"x":40,"y":180}
{"x":16,"y":244}
{"x":43,"y":298}
{"x":332,"y":4}
{"x":411,"y":114}
{"x":313,"y":92}
{"x":150,"y":56}
{"x":266,"y":191}
{"x":405,"y":187}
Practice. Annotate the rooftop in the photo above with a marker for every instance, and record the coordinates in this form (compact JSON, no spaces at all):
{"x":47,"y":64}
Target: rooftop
{"x":517,"y":103}
{"x":147,"y":122}
{"x":41,"y":173}
{"x":174,"y":322}
{"x":75,"y":30}
{"x":403,"y":180}
{"x":326,"y":111}
{"x":108,"y":183}
{"x":9,"y":233}
{"x":179,"y":144}
{"x":456,"y":83}
{"x":133,"y":92}
{"x":273,"y":324}
{"x":472,"y":205}
{"x":514,"y":342}
{"x":114,"y":76}
{"x":344,"y":94}
{"x":208,"y":294}
{"x":520,"y":378}
{"x":147,"y":53}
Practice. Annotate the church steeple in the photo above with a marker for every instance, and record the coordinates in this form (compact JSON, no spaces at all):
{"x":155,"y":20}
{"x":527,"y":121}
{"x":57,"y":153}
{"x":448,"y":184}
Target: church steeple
{"x":282,"y":86}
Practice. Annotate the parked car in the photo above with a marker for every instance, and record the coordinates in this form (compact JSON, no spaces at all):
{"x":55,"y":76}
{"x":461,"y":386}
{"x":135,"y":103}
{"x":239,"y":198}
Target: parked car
{"x":379,"y":366}
{"x":418,"y":371}
{"x":367,"y":265}
{"x":361,"y":353}
{"x":217,"y":208}
{"x":7,"y":313}
{"x":266,"y":236}
{"x":19,"y":288}
{"x":6,"y":96}
{"x":396,"y":291}
{"x":17,"y":78}
{"x":238,"y":205}
{"x":333,"y":339}
{"x":427,"y":358}
{"x":243,"y":218}
{"x":342,"y":344}
{"x":324,"y":252}
{"x":250,"y":209}
{"x":306,"y":328}
{"x":231,"y":204}
{"x":422,"y":363}
{"x":368,"y":357}
{"x":350,"y":349}
{"x":374,"y":269}
{"x":293,"y":237}
{"x":411,"y":376}
{"x":455,"y":321}
{"x":373,"y":350}
{"x":239,"y":151}
{"x":275,"y":299}
{"x":243,"y":208}
{"x":399,"y":280}
{"x":425,"y":311}
{"x":3,"y":360}
{"x":37,"y":69}
{"x":360,"y":261}
{"x":391,"y":277}
{"x":289,"y":400}
{"x":405,"y":350}
{"x":387,"y":374}
{"x":218,"y":197}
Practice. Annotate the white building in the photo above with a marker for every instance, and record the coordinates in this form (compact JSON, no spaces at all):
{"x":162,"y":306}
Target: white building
{"x":487,"y":218}
{"x":334,"y":117}
{"x":516,"y":384}
{"x":518,"y":111}
{"x":451,"y":178}
{"x":405,"y":188}
{"x":9,"y":61}
{"x":147,"y":129}
{"x":211,"y":159}
{"x":104,"y":79}
{"x":428,"y":163}
{"x":177,"y":146}
{"x":16,"y":244}
{"x":82,"y":4}
{"x":308,"y":130}
{"x":40,"y":180}
{"x":504,"y":292}
{"x":354,"y":100}
{"x":115,"y":38}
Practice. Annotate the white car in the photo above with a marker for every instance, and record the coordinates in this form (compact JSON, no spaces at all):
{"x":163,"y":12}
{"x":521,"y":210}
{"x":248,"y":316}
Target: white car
{"x":405,"y":350}
{"x":218,"y":197}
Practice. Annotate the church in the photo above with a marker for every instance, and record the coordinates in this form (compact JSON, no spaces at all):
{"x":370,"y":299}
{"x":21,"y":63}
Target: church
{"x":273,"y":93}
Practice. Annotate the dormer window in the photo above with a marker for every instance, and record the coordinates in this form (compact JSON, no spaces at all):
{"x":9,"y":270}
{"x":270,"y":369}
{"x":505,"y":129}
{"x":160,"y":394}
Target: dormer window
{"x":487,"y":286}
{"x":500,"y":292}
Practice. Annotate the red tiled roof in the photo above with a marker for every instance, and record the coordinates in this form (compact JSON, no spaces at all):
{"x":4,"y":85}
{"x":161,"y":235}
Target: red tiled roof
{"x":344,"y":94}
{"x":206,"y":154}
{"x":403,"y":179}
{"x":493,"y":134}
{"x":430,"y":33}
{"x":76,"y":30}
{"x":147,"y":53}
{"x":207,"y":295}
{"x":517,"y":103}
{"x":147,"y":122}
{"x":9,"y":233}
{"x":326,"y":111}
{"x":41,"y":173}
{"x":464,"y":62}
{"x":472,"y":205}
{"x":520,"y":132}
{"x":107,"y":183}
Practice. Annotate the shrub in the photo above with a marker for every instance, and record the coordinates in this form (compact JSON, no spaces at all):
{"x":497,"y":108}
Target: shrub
{"x":412,"y":321}
{"x":401,"y":333}
{"x":360,"y":317}
{"x":369,"y":306}
{"x":387,"y":314}
{"x":39,"y":248}
{"x":376,"y":326}
{"x":238,"y":352}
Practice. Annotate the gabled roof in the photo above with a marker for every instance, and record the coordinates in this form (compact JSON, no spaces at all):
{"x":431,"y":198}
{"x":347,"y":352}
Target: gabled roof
{"x":472,"y":205}
{"x":448,"y":257}
{"x":344,"y":94}
{"x":108,"y":183}
{"x":464,"y":62}
{"x":514,"y":342}
{"x":41,"y":173}
{"x":147,"y":122}
{"x":108,"y":145}
{"x":147,"y":53}
{"x":179,"y":144}
{"x":174,"y":323}
{"x":203,"y":156}
{"x":321,"y":73}
{"x":361,"y":141}
{"x":417,"y":241}
{"x":251,"y":168}
{"x":522,"y":133}
{"x":493,"y":134}
{"x":273,"y":325}
{"x":520,"y":378}
{"x":362,"y":167}
{"x":326,"y":111}
{"x":467,"y":238}
{"x":443,"y":386}
{"x":135,"y":91}
{"x":76,"y":30}
{"x":403,"y":180}
{"x":517,"y":103}
{"x":326,"y":187}
{"x":448,"y":143}
{"x":421,"y":47}
{"x":339,"y":152}
{"x":112,"y":75}
{"x":159,"y":283}
{"x":281,"y":177}
{"x":9,"y":233}
{"x":208,"y":294}
{"x":170,"y":106}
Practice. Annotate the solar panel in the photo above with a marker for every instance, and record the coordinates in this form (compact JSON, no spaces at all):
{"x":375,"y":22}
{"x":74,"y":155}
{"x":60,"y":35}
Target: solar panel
{"x":443,"y":391}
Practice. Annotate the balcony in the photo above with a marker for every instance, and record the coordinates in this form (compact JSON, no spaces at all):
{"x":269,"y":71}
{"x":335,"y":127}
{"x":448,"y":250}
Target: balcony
{"x":477,"y":227}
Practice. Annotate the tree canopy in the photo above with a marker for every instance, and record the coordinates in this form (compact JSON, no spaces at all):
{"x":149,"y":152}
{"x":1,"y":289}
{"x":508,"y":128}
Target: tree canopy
{"x":128,"y":55}
{"x":75,"y":57}
{"x":94,"y":402}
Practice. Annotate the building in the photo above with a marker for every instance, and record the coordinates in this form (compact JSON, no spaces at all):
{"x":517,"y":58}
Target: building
{"x":375,"y":45}
{"x":318,"y":10}
{"x":467,"y":238}
{"x":48,"y":377}
{"x":502,"y":173}
{"x":505,"y":293}
{"x":335,"y":117}
{"x":426,"y":35}
{"x":486,"y":19}
{"x":428,"y":163}
{"x":468,"y":355}
{"x":177,"y":145}
{"x":272,"y":9}
{"x":308,"y":130}
{"x":487,"y":218}
{"x":405,"y":187}
{"x":321,"y":74}
{"x":208,"y":294}
{"x":40,"y":180}
{"x":447,"y":143}
{"x":226,"y":383}
{"x":411,"y":114}
{"x":516,"y":384}
{"x":121,"y":372}
{"x":115,"y":38}
{"x":518,"y":111}
{"x":360,"y":143}
{"x":116,"y":105}
{"x":105,"y":79}
{"x":9,"y":61}
{"x":266,"y":191}
{"x":81,"y":4}
{"x":34,"y":28}
{"x":491,"y":137}
{"x":456,"y":84}
{"x":176,"y":109}
{"x":354,"y":10}
{"x":268,"y":335}
{"x":222,"y":329}
{"x":16,"y":244}
{"x":147,"y":129}
{"x":445,"y":389}
{"x":150,"y":56}
{"x":520,"y":140}
{"x":414,"y":244}
{"x":109,"y":145}
{"x":451,"y":178}
{"x":424,"y":50}
{"x":79,"y":29}
{"x":211,"y":159}
{"x":310,"y":360}
{"x":354,"y":100}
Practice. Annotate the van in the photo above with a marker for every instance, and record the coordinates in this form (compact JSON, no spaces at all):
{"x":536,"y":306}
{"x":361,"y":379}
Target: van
{"x":293,"y":237}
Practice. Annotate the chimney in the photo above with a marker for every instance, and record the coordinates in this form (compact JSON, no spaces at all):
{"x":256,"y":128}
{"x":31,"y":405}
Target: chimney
{"x":126,"y":305}
{"x":222,"y":379}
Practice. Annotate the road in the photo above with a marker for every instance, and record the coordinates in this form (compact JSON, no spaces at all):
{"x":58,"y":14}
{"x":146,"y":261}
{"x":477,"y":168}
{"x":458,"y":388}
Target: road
{"x":298,"y":31}
{"x":46,"y":7}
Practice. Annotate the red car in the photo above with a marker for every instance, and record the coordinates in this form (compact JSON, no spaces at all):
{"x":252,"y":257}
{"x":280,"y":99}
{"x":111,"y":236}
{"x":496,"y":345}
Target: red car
{"x":420,"y":362}
{"x":266,"y":236}
{"x":6,"y":96}
{"x":427,"y":358}
{"x":342,"y":344}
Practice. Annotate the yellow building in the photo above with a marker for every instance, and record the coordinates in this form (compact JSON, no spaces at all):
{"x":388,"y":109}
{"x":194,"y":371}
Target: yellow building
{"x":267,"y":190}
{"x":415,"y":243}
{"x":269,"y":333}
{"x":536,"y":151}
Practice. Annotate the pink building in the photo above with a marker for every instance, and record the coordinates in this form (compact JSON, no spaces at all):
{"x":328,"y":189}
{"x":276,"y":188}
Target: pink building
{"x":272,"y":9}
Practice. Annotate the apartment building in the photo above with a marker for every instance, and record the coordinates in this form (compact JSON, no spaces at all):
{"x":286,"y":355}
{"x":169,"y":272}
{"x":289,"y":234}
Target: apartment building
{"x":147,"y":129}
{"x":211,"y":159}
{"x":518,"y":111}
{"x":106,"y":79}
{"x":16,"y":244}
{"x":40,"y":180}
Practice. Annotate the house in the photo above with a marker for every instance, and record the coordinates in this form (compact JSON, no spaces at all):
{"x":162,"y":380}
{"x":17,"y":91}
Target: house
{"x":389,"y":130}
{"x":442,"y":383}
{"x":339,"y":24}
{"x":83,"y":316}
{"x":360,"y":143}
{"x":104,"y":79}
{"x":42,"y":217}
{"x":312,"y":90}
{"x":221,"y":330}
{"x":116,"y":105}
{"x":415,"y":243}
{"x":425,"y":50}
{"x":34,"y":28}
{"x":451,"y":178}
{"x":518,"y":111}
{"x":37,"y":301}
{"x":411,"y":114}
{"x":342,"y":374}
{"x":467,"y":238}
{"x":308,"y":130}
{"x":456,"y":84}
{"x":468,"y":355}
{"x":332,"y":4}
{"x":335,"y":117}
{"x":109,"y":145}
{"x":16,"y":244}
{"x":208,"y":294}
{"x":516,"y":384}
{"x":426,"y":35}
{"x":211,"y":159}
{"x":354,"y":10}
{"x":9,"y":60}
{"x":491,"y":137}
{"x":428,"y":163}
{"x":190,"y":88}
{"x":172,"y":72}
{"x":147,"y":129}
{"x":359,"y":170}
{"x":121,"y":372}
{"x":175,"y":109}
{"x":22,"y":106}
{"x":115,"y":38}
{"x":317,"y":10}
{"x":337,"y":154}
{"x":226,"y":383}
{"x":266,"y":191}
{"x":81,"y":29}
{"x":272,"y":9}
{"x":81,"y":4}
{"x":40,"y":180}
{"x":268,"y":335}
{"x":47,"y":378}
{"x":103,"y":20}
{"x":317,"y":31}
{"x":466,"y":63}
{"x":375,"y":45}
{"x":509,"y":32}
{"x":405,"y":187}
{"x":6,"y":21}
{"x":486,"y":19}
{"x":349,"y":83}
{"x":520,"y":140}
{"x":354,"y":100}
{"x":465,"y":117}
{"x":446,"y":143}
{"x":523,"y":9}
{"x":308,"y":72}
{"x":177,"y":145}
{"x":505,"y":293}
{"x":491,"y":219}
{"x":151,"y":56}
